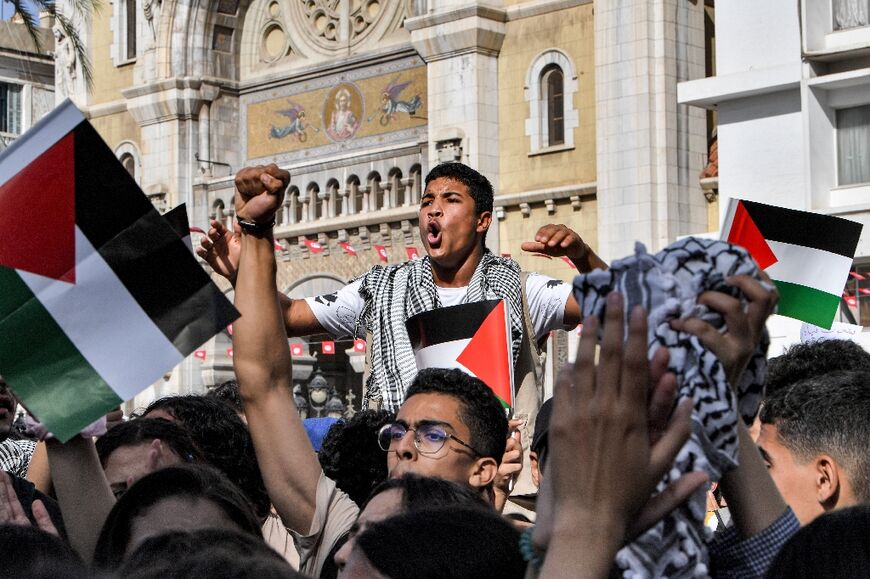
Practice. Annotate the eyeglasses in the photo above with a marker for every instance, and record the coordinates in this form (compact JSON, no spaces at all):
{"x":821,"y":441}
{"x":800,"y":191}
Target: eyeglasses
{"x":428,"y":438}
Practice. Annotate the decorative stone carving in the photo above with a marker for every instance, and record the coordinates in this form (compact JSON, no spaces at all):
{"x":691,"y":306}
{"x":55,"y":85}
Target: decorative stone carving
{"x":324,"y":20}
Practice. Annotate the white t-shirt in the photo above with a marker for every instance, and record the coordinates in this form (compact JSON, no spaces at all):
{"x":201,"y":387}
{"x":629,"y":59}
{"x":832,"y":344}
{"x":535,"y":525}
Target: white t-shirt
{"x":338,"y":312}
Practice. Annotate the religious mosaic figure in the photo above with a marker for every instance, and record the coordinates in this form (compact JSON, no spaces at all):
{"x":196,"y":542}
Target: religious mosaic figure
{"x":343,"y":121}
{"x":390,"y":103}
{"x":296,"y":126}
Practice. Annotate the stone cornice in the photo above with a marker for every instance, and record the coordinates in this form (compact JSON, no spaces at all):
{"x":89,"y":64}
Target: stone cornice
{"x":474,"y":29}
{"x":538,"y":8}
{"x":171,"y":99}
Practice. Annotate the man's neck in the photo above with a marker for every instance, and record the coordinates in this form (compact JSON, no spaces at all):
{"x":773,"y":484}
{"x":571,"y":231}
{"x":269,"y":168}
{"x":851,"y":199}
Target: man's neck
{"x":454,"y":277}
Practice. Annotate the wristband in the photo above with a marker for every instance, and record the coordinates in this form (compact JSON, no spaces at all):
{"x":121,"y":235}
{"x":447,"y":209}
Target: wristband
{"x":254,"y":227}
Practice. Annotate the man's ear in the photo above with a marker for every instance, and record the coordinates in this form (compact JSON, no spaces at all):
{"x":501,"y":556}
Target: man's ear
{"x":484,"y":220}
{"x":828,"y":481}
{"x":536,"y":469}
{"x":483,"y":472}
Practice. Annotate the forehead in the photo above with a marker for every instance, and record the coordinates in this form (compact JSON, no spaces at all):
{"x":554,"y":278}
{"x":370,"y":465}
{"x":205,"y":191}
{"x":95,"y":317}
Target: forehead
{"x":443,"y":185}
{"x":770,"y":443}
{"x":432,"y":407}
{"x":381,"y":506}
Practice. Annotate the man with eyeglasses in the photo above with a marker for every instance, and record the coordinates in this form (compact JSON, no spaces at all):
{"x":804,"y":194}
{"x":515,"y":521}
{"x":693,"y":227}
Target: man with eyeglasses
{"x":450,"y":425}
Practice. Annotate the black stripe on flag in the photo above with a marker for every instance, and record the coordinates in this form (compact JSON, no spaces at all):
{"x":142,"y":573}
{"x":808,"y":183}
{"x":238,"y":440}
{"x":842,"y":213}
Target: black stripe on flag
{"x":143,"y":250}
{"x":825,"y":232}
{"x":448,"y":324}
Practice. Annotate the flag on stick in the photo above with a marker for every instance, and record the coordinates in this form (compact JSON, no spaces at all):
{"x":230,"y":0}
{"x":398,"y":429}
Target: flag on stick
{"x":473,"y":337}
{"x":98,"y":295}
{"x":807,"y":255}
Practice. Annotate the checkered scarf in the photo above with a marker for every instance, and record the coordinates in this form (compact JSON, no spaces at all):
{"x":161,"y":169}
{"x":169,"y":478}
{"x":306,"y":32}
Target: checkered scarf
{"x":394,"y":293}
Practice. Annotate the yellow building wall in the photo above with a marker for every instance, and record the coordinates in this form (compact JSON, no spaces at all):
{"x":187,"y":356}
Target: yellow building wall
{"x":108,"y":78}
{"x":117,"y":128}
{"x":572,"y":31}
{"x":515,"y":229}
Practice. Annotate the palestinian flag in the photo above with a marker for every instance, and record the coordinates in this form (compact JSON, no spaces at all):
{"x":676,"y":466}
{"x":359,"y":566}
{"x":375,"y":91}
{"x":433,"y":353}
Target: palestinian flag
{"x":473,"y":337}
{"x":99,"y":297}
{"x":808,"y":255}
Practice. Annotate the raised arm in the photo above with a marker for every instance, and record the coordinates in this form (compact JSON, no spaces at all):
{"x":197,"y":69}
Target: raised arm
{"x":561,"y":241}
{"x":261,"y":357}
{"x":221,"y":248}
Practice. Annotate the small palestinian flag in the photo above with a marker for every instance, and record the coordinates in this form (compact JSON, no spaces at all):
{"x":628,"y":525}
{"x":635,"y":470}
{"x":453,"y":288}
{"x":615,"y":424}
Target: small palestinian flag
{"x":473,"y":337}
{"x":807,"y":255}
{"x":99,"y":297}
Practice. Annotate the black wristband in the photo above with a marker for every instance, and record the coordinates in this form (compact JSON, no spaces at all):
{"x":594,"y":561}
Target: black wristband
{"x":254,"y":227}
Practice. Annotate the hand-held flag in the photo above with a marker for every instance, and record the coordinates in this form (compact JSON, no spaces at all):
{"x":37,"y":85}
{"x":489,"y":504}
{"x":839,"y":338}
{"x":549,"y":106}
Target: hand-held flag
{"x":98,"y":297}
{"x":807,"y":255}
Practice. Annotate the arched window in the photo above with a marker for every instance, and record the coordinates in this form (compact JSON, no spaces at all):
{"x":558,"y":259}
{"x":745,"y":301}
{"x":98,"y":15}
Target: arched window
{"x":553,"y":98}
{"x":551,"y":83}
{"x":129,"y":163}
{"x":128,"y":153}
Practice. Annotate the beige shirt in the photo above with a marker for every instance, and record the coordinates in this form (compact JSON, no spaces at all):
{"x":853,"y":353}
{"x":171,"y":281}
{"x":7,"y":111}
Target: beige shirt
{"x":334,"y":514}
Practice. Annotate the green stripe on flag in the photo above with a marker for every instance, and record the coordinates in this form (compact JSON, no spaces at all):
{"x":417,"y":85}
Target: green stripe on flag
{"x":43,"y":366}
{"x":807,"y":304}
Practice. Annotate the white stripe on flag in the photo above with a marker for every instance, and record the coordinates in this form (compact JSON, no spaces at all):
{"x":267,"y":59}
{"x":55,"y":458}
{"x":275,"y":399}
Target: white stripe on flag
{"x":807,"y":266}
{"x":105,"y":323}
{"x":52,"y":128}
{"x":442,"y":355}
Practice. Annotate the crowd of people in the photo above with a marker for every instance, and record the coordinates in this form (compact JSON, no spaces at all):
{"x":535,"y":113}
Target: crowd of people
{"x":433,"y":479}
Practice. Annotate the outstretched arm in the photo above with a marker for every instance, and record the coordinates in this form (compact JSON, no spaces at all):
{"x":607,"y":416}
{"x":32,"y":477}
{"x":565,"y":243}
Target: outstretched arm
{"x":604,"y":461}
{"x":752,"y":496}
{"x":261,"y":358}
{"x":221,"y":249}
{"x":560,"y":241}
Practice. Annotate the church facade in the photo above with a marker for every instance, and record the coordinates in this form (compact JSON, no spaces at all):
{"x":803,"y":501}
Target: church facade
{"x":568,"y":106}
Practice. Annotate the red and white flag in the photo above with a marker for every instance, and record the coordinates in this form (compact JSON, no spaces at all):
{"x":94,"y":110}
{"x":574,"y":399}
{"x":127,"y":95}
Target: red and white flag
{"x":296,"y":350}
{"x":359,"y":345}
{"x":230,"y":352}
{"x":278,"y":246}
{"x":412,"y":253}
{"x":327,"y":347}
{"x":382,"y":252}
{"x":313,"y":246}
{"x":570,"y":263}
{"x":200,"y":354}
{"x":348,"y":249}
{"x":230,"y":329}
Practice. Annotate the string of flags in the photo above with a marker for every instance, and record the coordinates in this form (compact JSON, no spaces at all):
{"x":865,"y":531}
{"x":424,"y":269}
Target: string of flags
{"x":297,"y":350}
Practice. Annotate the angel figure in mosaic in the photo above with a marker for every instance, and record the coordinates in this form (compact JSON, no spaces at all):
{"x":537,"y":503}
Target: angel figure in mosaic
{"x":296,"y":126}
{"x":391,"y":105}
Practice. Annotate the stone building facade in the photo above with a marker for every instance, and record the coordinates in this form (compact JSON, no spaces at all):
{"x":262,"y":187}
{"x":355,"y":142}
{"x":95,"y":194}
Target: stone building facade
{"x":568,"y":106}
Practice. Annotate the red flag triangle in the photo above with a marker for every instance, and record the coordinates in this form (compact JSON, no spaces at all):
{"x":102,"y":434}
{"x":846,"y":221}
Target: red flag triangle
{"x":488,"y":354}
{"x":37,"y":227}
{"x":745,"y":233}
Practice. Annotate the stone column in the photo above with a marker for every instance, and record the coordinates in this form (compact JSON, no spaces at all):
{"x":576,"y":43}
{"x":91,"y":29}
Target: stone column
{"x":460,"y":41}
{"x":650,"y":150}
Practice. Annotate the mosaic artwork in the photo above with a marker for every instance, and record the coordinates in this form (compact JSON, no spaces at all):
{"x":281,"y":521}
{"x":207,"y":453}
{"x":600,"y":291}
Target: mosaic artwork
{"x":339,"y":115}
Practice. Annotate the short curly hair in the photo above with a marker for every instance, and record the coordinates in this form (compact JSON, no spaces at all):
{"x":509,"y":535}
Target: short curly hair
{"x":481,"y":411}
{"x":223,"y":439}
{"x":813,"y":358}
{"x":350,"y":454}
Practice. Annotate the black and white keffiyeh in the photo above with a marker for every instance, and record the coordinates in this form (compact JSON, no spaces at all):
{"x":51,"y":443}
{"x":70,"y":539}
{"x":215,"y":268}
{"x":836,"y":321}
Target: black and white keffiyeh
{"x":394,"y":293}
{"x":667,"y":285}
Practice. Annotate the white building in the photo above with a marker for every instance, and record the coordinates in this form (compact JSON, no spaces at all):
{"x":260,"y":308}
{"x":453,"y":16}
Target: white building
{"x":792,"y":94}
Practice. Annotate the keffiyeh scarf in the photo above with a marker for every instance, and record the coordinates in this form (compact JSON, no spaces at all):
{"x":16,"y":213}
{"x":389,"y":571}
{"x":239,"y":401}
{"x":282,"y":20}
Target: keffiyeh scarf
{"x":667,"y":285}
{"x":394,"y":293}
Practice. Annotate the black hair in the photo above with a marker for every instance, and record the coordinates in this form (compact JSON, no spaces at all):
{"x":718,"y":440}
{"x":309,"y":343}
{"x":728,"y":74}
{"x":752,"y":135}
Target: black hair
{"x":189,"y":481}
{"x":836,"y":544}
{"x":26,"y":551}
{"x":224,"y":441}
{"x":444,"y":543}
{"x":350,"y":454}
{"x":143,"y":430}
{"x":480,"y":409}
{"x":228,"y":392}
{"x":802,"y":361}
{"x":205,"y":553}
{"x":479,"y":186}
{"x":828,"y":414}
{"x":425,"y":492}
